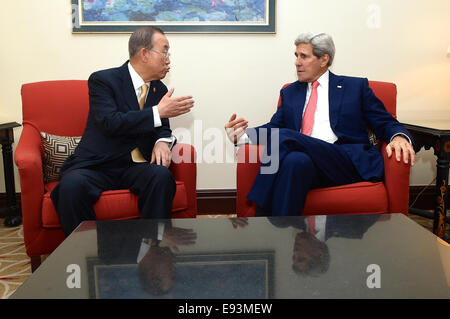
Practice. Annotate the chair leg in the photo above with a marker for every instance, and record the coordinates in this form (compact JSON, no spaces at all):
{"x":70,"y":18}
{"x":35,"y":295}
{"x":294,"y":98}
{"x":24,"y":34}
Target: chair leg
{"x":35,"y":262}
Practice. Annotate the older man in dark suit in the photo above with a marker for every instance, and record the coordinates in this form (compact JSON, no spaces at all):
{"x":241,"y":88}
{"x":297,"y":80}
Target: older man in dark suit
{"x":127,"y":142}
{"x":318,"y":136}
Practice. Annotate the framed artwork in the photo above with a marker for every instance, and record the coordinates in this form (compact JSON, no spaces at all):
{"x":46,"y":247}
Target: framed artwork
{"x":205,"y":276}
{"x":174,"y":16}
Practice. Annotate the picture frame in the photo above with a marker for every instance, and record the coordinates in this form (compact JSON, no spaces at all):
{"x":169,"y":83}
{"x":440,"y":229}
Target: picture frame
{"x":239,"y":275}
{"x":184,"y":16}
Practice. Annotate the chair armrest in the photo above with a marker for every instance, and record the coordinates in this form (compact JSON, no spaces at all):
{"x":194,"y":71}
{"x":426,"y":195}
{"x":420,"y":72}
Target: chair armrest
{"x":248,"y":163}
{"x":396,"y":180}
{"x":184,"y":168}
{"x":28,"y":158}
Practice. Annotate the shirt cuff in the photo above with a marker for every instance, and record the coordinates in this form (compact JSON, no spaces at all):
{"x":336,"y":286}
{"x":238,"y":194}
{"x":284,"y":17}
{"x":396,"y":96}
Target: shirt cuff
{"x":160,"y":231}
{"x":156,"y":117}
{"x":404,"y":135}
{"x":244,"y":139}
{"x":171,"y":140}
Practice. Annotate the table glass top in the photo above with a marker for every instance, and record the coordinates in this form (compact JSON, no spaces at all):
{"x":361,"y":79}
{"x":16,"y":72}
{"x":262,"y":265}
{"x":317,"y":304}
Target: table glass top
{"x":359,"y":256}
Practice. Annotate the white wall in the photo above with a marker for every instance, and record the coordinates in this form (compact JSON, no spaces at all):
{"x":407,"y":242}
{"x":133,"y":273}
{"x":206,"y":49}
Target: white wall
{"x":401,"y":41}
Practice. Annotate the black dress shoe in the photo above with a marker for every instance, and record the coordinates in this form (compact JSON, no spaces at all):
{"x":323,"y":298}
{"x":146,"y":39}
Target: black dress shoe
{"x":12,"y":221}
{"x":260,"y":212}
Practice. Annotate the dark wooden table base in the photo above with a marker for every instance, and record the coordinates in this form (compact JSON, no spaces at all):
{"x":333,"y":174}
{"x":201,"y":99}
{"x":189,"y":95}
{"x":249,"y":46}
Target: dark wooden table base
{"x":439,"y":140}
{"x":12,"y":211}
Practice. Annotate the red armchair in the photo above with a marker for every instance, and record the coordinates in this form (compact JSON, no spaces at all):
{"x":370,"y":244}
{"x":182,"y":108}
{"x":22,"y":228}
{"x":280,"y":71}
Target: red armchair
{"x":61,"y":108}
{"x":391,"y":195}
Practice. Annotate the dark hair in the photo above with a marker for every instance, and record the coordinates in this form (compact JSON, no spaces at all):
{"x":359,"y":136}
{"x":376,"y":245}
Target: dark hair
{"x":317,"y":265}
{"x":142,"y":38}
{"x":152,"y":285}
{"x":154,"y":281}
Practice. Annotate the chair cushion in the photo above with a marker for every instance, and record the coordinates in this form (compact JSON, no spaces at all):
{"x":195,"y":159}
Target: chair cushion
{"x":357,"y":198}
{"x":56,"y":150}
{"x":112,"y":205}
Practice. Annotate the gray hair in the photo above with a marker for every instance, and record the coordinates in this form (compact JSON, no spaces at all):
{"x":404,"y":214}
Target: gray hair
{"x":142,"y":38}
{"x":321,"y":43}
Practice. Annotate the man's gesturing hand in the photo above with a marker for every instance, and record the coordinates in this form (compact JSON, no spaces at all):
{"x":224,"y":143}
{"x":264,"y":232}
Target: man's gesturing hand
{"x":235,"y":128}
{"x":175,"y":236}
{"x":173,"y":106}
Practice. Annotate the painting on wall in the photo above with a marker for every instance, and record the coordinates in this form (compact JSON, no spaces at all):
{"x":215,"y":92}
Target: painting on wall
{"x":244,"y":275}
{"x":174,"y":16}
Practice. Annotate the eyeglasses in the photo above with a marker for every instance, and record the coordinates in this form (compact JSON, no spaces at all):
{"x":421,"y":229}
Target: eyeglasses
{"x":165,"y":53}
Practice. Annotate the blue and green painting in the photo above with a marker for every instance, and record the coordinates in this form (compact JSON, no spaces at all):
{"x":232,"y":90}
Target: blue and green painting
{"x":174,"y":10}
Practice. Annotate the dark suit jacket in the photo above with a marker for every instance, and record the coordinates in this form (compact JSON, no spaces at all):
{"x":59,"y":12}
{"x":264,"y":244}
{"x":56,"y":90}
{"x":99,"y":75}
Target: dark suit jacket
{"x":119,"y":241}
{"x":115,"y":125}
{"x":353,"y":108}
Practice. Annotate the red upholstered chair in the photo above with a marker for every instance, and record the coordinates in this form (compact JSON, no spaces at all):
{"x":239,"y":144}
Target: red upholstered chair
{"x":390,"y":196}
{"x":61,"y":108}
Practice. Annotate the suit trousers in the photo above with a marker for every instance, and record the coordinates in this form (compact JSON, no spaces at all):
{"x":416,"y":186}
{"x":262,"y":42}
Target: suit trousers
{"x":304,"y":163}
{"x":79,"y":189}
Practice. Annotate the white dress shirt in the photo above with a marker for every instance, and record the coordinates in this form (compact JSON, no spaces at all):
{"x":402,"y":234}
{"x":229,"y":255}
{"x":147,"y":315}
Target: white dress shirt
{"x":144,"y":248}
{"x":137,"y":84}
{"x":322,"y":127}
{"x":319,"y":227}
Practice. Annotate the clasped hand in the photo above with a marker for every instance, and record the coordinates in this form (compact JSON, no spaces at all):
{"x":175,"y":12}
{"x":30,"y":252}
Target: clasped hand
{"x":161,"y":154}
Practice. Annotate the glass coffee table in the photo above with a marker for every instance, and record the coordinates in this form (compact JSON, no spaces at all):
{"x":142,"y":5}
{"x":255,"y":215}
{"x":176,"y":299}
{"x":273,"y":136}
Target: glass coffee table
{"x":347,"y":256}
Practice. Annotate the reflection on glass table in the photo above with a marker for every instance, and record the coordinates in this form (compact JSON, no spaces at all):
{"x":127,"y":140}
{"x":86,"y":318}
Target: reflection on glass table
{"x":345,"y":256}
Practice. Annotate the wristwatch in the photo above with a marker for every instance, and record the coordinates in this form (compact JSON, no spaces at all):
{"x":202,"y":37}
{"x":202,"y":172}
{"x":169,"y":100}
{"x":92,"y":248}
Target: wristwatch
{"x":151,"y":242}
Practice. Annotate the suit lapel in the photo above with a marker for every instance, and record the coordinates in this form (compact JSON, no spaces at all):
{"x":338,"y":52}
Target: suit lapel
{"x":300,"y":96}
{"x":335,"y":92}
{"x":128,"y":89}
{"x":152,"y":95}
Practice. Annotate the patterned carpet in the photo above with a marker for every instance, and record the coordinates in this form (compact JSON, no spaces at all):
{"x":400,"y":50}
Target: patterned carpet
{"x":15,"y":265}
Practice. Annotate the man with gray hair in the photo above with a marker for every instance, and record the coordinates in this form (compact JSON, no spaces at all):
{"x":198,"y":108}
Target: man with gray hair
{"x":127,"y":141}
{"x":318,"y":134}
